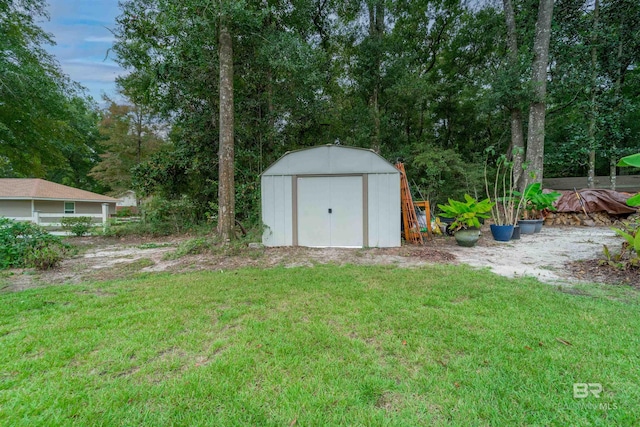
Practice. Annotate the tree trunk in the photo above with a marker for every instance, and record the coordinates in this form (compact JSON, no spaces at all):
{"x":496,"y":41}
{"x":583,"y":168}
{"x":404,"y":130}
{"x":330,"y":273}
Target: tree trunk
{"x":613,"y":156}
{"x":517,"y":133}
{"x":594,"y":109}
{"x":535,"y":135}
{"x":376,"y":32}
{"x":226,"y":186}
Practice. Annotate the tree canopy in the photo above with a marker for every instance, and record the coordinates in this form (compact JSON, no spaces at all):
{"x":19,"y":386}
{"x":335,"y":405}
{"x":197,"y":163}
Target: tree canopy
{"x":434,"y":82}
{"x":47,"y":126}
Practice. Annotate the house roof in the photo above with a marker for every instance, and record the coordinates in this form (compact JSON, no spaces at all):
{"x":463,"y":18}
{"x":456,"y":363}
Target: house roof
{"x":39,"y":189}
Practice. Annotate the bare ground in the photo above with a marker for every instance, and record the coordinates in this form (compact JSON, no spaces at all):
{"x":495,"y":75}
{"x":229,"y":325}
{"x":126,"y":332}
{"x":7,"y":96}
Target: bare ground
{"x":555,"y":255}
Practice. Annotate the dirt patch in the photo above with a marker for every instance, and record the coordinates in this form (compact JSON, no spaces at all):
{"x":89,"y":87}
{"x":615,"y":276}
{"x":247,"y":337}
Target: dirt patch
{"x":557,"y":254}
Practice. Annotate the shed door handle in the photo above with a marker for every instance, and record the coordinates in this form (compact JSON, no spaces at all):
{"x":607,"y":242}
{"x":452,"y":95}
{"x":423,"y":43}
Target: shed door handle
{"x":329,"y":210}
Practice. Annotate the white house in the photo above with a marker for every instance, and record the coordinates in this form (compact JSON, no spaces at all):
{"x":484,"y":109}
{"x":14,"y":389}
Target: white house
{"x":45,"y":202}
{"x":127,"y":200}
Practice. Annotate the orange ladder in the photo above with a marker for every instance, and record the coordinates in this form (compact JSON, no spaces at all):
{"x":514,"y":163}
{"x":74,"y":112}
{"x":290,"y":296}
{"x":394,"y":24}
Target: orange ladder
{"x":409,"y":220}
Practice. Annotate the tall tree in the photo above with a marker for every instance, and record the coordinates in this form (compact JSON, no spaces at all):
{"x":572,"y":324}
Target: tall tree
{"x":515,"y":112}
{"x":537,"y":108}
{"x":592,"y":90}
{"x":226,"y":188}
{"x":43,"y":118}
{"x":129,"y":138}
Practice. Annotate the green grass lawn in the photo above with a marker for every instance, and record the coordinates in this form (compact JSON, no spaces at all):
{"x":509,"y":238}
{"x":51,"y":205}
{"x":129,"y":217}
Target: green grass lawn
{"x":349,"y":346}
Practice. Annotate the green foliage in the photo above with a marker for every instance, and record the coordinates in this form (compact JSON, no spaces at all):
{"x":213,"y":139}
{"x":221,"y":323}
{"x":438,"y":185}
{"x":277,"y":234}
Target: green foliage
{"x":633,"y":161}
{"x":443,"y":173}
{"x":160,"y":217}
{"x":194,"y":246}
{"x":79,"y":226}
{"x":46,"y":128}
{"x":178,"y":215}
{"x":466,"y":214}
{"x":130,"y":136}
{"x":125,"y":212}
{"x":536,"y":201}
{"x":137,"y":228}
{"x":629,"y":255}
{"x":23,"y":244}
{"x":427,"y":82}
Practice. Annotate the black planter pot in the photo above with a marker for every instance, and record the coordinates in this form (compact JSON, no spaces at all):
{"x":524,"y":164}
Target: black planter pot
{"x":447,"y":222}
{"x":516,"y":233}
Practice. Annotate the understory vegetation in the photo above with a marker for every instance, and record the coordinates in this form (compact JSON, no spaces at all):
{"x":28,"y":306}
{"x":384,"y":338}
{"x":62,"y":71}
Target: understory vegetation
{"x":441,"y":345}
{"x":24,"y":245}
{"x":628,"y":256}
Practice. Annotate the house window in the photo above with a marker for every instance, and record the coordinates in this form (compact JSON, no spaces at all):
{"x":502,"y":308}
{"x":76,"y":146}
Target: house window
{"x":69,"y":207}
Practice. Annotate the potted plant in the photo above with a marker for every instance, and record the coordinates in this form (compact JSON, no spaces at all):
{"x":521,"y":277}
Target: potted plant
{"x":506,"y":209}
{"x":536,"y":202}
{"x":466,"y":218}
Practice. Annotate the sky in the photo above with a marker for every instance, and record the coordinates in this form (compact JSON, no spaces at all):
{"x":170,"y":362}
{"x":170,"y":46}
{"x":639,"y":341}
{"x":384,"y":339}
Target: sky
{"x":81,"y":31}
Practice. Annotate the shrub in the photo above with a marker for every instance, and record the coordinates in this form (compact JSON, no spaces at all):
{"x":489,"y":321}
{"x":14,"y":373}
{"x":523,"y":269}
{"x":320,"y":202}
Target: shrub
{"x":172,"y":215}
{"x":23,"y":244}
{"x":78,"y":225}
{"x":125,"y":212}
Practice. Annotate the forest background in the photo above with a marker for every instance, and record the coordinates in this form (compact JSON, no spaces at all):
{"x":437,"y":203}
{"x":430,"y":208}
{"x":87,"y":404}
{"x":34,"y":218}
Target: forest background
{"x":434,"y":83}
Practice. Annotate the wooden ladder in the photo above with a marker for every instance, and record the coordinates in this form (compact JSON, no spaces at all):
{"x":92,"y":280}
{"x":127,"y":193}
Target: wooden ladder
{"x":409,"y":220}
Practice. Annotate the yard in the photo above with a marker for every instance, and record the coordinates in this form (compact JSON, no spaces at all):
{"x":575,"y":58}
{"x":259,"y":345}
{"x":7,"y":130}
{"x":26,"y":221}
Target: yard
{"x":322,"y":345}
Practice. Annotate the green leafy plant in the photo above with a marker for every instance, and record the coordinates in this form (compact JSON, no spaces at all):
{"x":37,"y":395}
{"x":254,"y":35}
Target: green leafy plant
{"x":79,"y":226}
{"x":23,"y":244}
{"x":629,"y":255}
{"x":466,"y":214}
{"x":536,"y":201}
{"x":632,"y":161}
{"x":125,"y":212}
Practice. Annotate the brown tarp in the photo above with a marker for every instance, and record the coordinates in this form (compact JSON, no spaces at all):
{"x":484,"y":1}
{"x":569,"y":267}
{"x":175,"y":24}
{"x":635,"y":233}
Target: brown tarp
{"x":612,"y":202}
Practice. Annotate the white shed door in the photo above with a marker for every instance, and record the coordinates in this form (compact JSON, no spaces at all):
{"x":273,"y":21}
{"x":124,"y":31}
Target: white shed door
{"x":330,"y":211}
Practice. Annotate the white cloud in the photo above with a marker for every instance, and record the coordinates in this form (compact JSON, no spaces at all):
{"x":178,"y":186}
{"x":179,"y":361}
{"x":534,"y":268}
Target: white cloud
{"x":81,"y":31}
{"x":107,"y":39}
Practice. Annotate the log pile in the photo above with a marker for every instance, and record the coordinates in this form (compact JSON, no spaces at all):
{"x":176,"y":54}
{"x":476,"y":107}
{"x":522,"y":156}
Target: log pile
{"x":595,"y":219}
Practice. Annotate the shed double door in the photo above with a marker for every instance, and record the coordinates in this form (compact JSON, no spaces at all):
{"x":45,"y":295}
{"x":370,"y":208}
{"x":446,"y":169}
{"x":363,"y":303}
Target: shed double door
{"x":330,"y":211}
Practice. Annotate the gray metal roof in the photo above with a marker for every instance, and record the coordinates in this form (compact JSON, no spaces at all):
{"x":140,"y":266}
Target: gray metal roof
{"x":330,"y":160}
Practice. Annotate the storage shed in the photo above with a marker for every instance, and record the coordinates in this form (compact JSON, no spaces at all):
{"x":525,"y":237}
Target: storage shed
{"x":331,"y":196}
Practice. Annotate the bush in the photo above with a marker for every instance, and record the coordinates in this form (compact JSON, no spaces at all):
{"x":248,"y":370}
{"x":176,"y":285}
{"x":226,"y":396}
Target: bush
{"x":79,"y":225}
{"x":23,"y":244}
{"x":125,"y":212}
{"x":175,"y":215}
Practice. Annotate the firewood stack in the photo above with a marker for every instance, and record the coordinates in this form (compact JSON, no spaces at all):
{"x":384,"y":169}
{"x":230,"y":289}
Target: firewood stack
{"x":595,"y":219}
{"x":591,"y":208}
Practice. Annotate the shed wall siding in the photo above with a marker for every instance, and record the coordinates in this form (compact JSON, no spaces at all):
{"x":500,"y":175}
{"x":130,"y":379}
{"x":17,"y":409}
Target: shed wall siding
{"x":15,"y":208}
{"x":384,"y":210}
{"x":277,"y":210}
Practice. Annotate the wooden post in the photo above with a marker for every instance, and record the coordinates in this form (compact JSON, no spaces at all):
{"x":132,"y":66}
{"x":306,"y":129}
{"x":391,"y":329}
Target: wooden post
{"x":105,"y":215}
